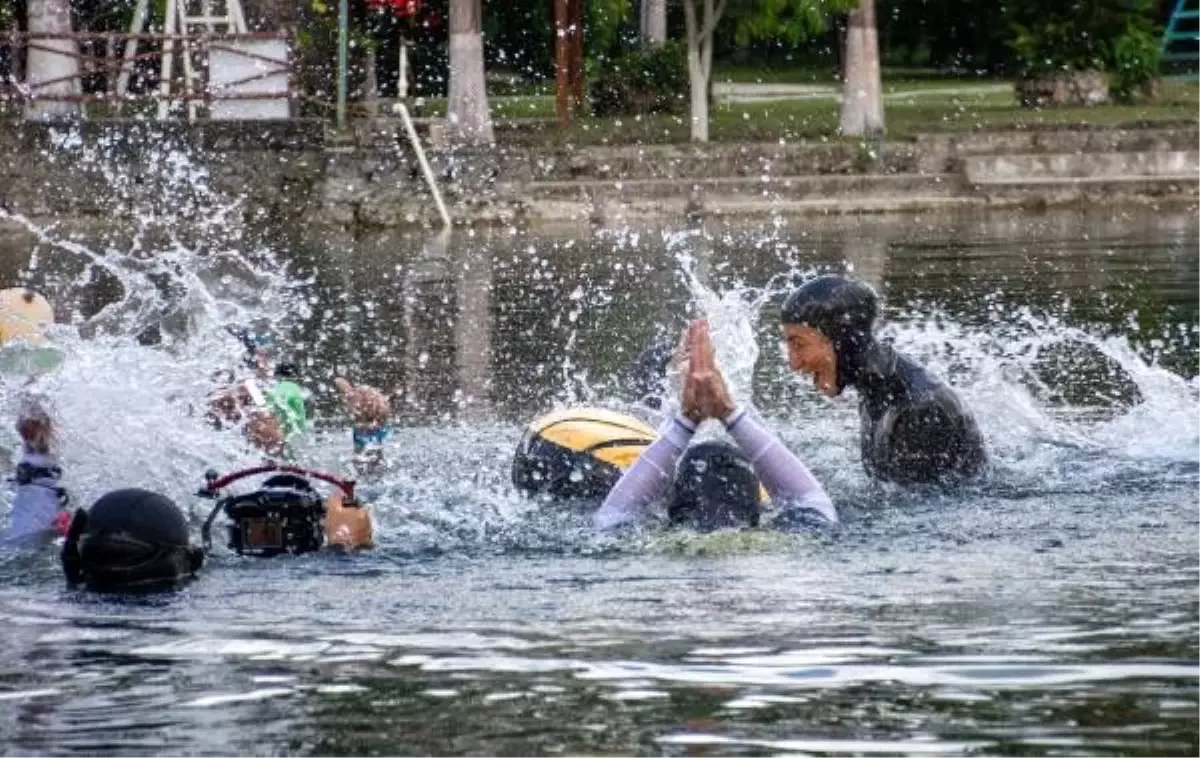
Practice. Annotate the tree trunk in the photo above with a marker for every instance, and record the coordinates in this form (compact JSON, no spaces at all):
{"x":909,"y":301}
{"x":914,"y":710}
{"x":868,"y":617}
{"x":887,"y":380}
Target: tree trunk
{"x":699,"y":32}
{"x":654,"y":22}
{"x":699,"y":90}
{"x":862,"y":87}
{"x":371,"y":82}
{"x":468,"y":120}
{"x":51,"y":68}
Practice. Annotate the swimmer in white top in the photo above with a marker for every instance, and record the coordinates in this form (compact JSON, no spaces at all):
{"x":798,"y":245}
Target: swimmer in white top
{"x":40,"y":499}
{"x":713,"y":484}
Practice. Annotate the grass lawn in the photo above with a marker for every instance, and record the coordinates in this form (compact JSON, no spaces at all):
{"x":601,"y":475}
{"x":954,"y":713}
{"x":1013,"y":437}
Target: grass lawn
{"x":529,"y":119}
{"x":746,"y":74}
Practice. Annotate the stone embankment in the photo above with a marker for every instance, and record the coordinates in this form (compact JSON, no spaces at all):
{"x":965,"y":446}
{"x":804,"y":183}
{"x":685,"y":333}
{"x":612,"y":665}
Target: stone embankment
{"x":298,"y":173}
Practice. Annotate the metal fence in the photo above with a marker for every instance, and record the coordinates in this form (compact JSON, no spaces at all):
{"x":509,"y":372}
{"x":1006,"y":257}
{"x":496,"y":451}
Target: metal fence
{"x":171,"y":76}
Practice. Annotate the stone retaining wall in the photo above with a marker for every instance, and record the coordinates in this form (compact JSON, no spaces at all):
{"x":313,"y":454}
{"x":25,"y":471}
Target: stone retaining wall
{"x":297,"y":175}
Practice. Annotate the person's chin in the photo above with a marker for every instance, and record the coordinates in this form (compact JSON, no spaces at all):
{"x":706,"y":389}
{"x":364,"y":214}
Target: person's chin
{"x":826,"y":389}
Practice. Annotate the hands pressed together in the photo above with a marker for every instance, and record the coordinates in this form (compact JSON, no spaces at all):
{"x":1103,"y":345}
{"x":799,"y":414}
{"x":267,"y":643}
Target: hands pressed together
{"x":704,"y":394}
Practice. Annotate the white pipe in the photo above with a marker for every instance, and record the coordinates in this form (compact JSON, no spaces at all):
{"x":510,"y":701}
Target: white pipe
{"x":425,"y":169}
{"x":136,"y":26}
{"x":170,"y":27}
{"x":402,"y":88}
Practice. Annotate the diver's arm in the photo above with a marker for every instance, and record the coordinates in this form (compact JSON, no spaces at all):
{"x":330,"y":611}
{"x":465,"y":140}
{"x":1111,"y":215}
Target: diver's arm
{"x":648,"y":478}
{"x":783,"y":474}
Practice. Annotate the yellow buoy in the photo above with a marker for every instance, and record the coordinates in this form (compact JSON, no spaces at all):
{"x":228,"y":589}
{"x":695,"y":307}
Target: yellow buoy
{"x":24,"y":315}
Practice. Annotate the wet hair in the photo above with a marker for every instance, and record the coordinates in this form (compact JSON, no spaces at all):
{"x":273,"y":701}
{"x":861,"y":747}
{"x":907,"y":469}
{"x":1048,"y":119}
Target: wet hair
{"x":130,"y":539}
{"x":287,"y":371}
{"x":841,"y":308}
{"x":715,"y":488}
{"x":648,"y":373}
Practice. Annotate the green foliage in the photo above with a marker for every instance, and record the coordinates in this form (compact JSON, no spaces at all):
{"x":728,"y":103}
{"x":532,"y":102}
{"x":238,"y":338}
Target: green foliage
{"x":786,"y":21}
{"x":518,"y":36}
{"x":1136,"y":61}
{"x":1049,"y":36}
{"x":642,"y":82}
{"x":604,"y":21}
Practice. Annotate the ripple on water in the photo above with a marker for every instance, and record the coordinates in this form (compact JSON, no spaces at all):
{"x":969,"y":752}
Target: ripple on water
{"x":213,"y":701}
{"x":1055,"y":613}
{"x":931,"y":746}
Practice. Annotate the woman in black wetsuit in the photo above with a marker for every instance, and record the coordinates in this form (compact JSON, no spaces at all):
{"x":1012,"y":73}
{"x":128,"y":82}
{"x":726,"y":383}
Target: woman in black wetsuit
{"x":914,"y":428}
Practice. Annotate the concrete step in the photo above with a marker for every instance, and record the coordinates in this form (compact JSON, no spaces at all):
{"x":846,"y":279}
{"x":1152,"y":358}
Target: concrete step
{"x":947,"y":152}
{"x":687,"y":161}
{"x":616,"y":203}
{"x":1172,"y":166}
{"x":753,"y":189}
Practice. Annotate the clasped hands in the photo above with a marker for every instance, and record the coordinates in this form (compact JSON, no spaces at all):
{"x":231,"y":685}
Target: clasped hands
{"x":704,"y":394}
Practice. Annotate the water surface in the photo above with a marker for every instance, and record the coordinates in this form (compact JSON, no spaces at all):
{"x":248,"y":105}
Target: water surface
{"x":1050,"y":611}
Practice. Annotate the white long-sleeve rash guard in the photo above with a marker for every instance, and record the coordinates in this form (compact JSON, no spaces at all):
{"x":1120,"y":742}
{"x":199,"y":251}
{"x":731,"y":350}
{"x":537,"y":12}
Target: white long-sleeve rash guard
{"x":36,"y":503}
{"x":785,"y":476}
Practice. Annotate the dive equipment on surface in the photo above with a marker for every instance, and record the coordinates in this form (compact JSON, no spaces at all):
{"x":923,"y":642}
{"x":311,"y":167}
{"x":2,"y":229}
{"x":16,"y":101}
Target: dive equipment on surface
{"x":285,"y":515}
{"x":578,"y":452}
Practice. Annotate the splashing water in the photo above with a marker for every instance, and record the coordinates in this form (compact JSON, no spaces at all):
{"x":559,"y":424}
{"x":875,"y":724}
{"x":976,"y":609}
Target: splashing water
{"x":1041,"y":446}
{"x":733,"y":316}
{"x":132,"y":414}
{"x":1039,"y":443}
{"x":130,"y":397}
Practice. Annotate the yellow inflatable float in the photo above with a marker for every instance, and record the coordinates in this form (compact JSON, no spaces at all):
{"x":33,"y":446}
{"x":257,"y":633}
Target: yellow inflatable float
{"x":578,"y":452}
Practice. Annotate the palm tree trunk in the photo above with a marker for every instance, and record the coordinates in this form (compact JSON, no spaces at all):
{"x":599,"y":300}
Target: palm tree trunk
{"x":862,"y":88}
{"x":469,"y":121}
{"x":51,"y":68}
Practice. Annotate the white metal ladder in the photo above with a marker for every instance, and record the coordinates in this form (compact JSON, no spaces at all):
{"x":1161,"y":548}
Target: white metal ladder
{"x":183,"y":18}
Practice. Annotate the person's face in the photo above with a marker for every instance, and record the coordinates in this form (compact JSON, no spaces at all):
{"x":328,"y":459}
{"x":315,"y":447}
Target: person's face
{"x":35,"y":430}
{"x":262,"y":364}
{"x":811,"y":353}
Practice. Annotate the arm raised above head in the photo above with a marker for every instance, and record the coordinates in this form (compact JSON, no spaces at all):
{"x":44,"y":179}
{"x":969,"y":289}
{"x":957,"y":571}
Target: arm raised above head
{"x":782,"y":472}
{"x":648,"y":478}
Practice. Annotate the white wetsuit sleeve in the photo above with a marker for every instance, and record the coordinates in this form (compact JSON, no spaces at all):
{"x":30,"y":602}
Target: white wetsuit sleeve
{"x":35,"y":504}
{"x":783,"y":474}
{"x":648,"y":478}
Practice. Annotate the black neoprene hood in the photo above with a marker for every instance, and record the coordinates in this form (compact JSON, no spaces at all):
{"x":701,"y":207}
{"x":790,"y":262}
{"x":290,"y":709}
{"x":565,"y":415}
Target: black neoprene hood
{"x":841,"y":308}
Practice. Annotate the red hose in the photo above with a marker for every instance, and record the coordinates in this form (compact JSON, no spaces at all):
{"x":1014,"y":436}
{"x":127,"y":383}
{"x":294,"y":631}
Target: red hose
{"x":220,"y":483}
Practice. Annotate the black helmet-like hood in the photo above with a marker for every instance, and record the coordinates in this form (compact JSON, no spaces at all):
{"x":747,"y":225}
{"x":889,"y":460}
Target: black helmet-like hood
{"x":844,"y":310}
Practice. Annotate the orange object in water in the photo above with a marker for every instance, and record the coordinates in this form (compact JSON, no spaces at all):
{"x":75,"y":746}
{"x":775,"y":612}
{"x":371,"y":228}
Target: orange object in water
{"x":347,"y":526}
{"x":24,"y":315}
